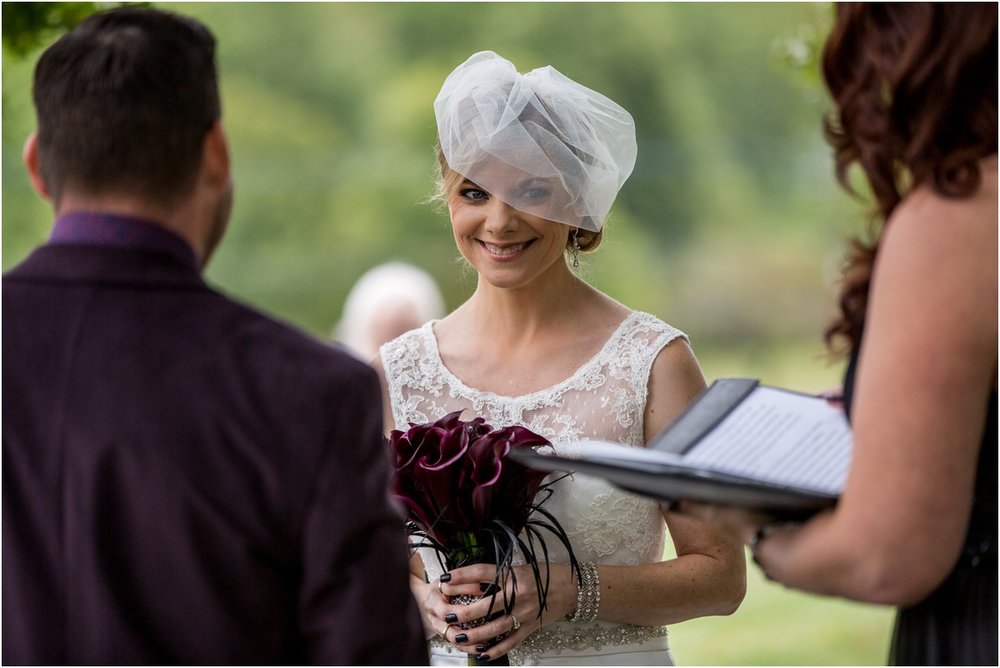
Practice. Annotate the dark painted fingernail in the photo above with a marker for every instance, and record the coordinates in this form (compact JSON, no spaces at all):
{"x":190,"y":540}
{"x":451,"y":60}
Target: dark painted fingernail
{"x":461,"y":637}
{"x":445,"y":577}
{"x":483,"y":658}
{"x":487,"y":587}
{"x":451,"y":618}
{"x":480,"y":648}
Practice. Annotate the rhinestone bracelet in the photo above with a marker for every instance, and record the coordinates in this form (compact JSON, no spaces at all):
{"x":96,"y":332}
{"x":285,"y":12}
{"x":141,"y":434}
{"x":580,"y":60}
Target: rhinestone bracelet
{"x":588,"y":596}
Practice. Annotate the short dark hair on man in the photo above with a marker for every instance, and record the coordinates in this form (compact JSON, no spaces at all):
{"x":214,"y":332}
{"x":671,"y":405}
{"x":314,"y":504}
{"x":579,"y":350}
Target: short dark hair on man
{"x":124,"y":101}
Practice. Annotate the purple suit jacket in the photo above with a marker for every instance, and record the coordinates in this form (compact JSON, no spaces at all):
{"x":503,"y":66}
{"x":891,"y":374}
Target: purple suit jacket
{"x":186,"y":480}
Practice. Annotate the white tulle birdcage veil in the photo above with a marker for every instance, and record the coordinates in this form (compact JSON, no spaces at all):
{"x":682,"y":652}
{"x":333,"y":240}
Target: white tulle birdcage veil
{"x":539,"y":141}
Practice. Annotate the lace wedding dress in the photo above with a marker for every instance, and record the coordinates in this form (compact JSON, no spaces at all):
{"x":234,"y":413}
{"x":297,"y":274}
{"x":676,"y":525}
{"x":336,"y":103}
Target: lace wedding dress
{"x":604,"y":399}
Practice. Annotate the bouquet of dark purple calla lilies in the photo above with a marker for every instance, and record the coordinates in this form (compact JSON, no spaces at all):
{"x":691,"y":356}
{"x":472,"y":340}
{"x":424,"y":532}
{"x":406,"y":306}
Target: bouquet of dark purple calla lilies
{"x":471,"y":503}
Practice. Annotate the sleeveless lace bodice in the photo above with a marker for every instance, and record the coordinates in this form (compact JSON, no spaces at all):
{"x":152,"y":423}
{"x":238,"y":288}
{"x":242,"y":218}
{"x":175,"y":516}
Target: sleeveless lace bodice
{"x":604,"y":400}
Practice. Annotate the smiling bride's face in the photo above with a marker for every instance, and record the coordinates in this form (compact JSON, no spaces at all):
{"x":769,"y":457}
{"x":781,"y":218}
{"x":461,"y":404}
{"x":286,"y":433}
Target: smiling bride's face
{"x":509,"y":248}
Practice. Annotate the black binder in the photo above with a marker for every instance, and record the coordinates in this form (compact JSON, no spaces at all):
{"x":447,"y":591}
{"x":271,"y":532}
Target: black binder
{"x":673,"y":479}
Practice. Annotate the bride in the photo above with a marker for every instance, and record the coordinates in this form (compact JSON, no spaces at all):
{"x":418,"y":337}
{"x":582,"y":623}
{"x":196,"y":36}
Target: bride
{"x":530,"y":165}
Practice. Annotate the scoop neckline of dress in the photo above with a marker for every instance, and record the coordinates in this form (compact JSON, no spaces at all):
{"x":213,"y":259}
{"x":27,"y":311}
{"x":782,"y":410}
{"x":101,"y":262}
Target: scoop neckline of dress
{"x":431,"y":339}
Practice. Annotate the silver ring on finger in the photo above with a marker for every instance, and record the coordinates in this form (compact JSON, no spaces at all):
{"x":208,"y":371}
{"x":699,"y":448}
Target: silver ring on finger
{"x":516,"y":624}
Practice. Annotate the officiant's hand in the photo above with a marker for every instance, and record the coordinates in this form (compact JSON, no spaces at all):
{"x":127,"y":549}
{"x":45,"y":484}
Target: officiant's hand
{"x":738,"y":524}
{"x":503,"y":629}
{"x":834,"y":396}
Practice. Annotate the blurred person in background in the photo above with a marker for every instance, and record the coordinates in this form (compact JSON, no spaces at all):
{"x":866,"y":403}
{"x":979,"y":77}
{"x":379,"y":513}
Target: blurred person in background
{"x":915,"y":90}
{"x":388,"y":300}
{"x":529,"y":167}
{"x":185,"y":480}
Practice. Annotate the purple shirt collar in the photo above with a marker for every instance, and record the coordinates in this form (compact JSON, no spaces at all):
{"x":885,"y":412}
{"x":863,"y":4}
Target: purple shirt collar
{"x":108,"y":229}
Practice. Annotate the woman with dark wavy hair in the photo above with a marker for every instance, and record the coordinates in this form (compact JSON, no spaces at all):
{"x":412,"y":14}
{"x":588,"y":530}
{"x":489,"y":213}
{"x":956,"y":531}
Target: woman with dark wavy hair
{"x":915,"y":93}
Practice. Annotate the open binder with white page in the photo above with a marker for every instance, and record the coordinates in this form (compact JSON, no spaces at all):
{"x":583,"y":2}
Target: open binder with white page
{"x":738,"y":443}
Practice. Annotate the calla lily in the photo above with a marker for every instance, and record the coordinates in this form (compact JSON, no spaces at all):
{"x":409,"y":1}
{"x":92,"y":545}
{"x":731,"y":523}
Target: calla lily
{"x":466,"y":499}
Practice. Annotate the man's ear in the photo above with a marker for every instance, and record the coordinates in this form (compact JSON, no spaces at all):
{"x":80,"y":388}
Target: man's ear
{"x":215,"y":157}
{"x":30,"y":156}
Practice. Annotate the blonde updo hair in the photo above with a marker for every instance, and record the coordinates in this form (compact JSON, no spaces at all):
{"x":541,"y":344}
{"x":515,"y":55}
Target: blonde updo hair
{"x":448,"y":182}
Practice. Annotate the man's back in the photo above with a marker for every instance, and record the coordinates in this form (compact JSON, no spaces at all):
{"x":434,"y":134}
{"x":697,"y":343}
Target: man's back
{"x":185,"y":480}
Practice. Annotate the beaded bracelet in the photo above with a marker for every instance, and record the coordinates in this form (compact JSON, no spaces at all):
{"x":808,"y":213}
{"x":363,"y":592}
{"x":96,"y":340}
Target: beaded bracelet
{"x":588,"y":596}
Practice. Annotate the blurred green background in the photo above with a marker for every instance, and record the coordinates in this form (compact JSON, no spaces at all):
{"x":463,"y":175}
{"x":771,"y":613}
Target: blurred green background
{"x":731,"y":226}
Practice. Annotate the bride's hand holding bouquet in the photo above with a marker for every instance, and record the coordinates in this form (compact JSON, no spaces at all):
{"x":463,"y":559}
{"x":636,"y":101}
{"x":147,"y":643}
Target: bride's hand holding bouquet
{"x":480,"y":628}
{"x":482,"y":514}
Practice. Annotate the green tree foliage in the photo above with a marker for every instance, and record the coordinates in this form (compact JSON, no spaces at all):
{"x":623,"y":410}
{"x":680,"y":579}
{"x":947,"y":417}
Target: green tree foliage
{"x":26,"y":25}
